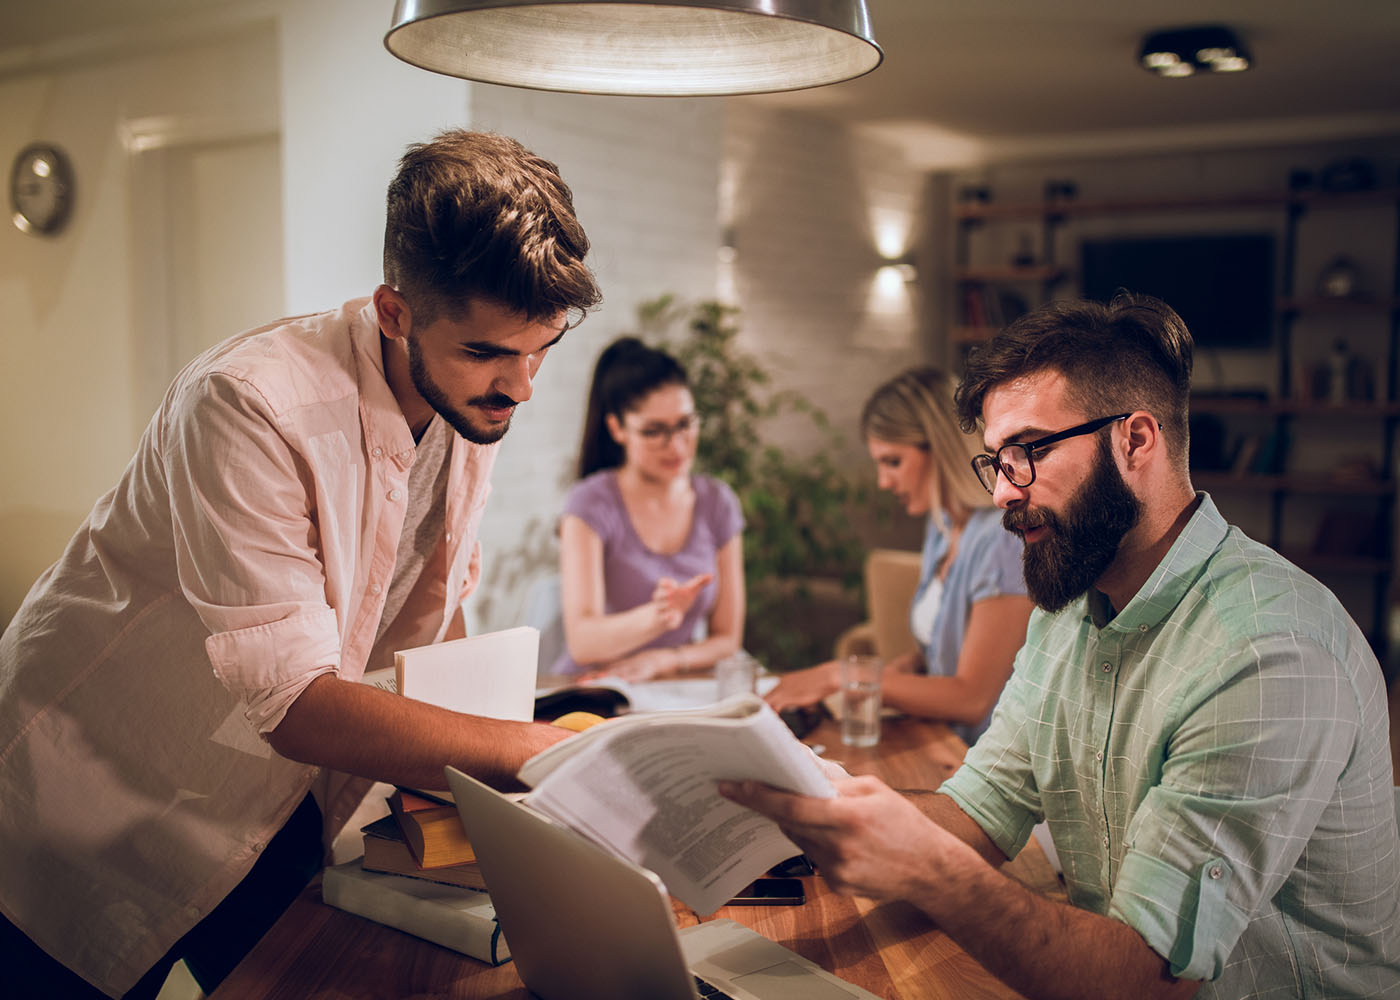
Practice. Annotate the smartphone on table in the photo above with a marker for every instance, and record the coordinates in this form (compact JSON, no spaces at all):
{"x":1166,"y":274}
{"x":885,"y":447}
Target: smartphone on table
{"x":771,"y":892}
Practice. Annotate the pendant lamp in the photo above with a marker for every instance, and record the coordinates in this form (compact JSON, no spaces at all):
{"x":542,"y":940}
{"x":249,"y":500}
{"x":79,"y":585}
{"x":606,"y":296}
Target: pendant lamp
{"x":659,"y":48}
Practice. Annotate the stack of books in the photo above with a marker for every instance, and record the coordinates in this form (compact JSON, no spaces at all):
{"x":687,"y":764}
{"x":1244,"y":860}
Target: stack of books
{"x":419,"y":874}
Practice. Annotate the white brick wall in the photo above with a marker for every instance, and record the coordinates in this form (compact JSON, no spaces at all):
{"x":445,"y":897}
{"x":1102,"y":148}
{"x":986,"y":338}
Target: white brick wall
{"x":811,"y":203}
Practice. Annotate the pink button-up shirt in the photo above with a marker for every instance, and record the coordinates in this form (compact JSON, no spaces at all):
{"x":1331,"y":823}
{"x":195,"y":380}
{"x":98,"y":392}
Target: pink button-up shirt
{"x":255,"y":531}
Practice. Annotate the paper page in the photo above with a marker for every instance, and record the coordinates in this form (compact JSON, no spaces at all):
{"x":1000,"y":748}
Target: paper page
{"x":649,"y":792}
{"x":534,"y":770}
{"x":492,"y":674}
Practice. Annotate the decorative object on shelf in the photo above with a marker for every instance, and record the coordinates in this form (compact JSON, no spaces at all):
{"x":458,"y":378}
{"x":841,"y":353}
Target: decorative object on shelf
{"x":974,"y":194}
{"x":1338,"y":365}
{"x":1025,"y":252}
{"x":1180,"y":52}
{"x":1349,"y":175}
{"x":1340,"y":279}
{"x":1061,"y":190}
{"x":1344,"y":377}
{"x":661,"y":48}
{"x":41,"y":189}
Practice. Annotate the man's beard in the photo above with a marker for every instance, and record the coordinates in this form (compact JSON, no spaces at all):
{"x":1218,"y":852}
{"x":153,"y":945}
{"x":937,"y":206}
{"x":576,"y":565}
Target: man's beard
{"x":458,"y":419}
{"x":1080,"y":544}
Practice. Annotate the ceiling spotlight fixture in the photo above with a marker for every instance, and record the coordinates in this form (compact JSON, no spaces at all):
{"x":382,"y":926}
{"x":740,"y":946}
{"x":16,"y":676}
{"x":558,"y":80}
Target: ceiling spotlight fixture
{"x":658,"y":48}
{"x":1183,"y":51}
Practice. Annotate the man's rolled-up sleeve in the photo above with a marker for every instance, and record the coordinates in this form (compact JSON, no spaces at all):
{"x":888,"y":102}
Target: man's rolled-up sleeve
{"x":248,"y":545}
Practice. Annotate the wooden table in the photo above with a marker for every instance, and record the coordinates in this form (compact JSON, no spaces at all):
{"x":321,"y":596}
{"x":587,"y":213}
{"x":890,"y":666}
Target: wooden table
{"x":317,"y":951}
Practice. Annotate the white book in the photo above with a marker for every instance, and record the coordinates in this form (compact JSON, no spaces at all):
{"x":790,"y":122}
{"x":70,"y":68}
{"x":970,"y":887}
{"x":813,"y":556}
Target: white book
{"x":643,"y":786}
{"x":457,"y":918}
{"x":492,"y":674}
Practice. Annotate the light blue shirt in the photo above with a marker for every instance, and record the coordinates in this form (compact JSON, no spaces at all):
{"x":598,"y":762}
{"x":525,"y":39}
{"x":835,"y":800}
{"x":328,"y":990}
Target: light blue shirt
{"x":987,"y":564}
{"x":1214,"y":766}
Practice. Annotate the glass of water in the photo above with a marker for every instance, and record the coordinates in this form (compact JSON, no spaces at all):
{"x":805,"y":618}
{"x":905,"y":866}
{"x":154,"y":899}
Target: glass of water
{"x":737,"y":673}
{"x":860,"y":700}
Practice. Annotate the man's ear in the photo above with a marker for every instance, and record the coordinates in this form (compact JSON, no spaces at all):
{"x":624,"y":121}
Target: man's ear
{"x":395,"y":318}
{"x":1143,"y":436}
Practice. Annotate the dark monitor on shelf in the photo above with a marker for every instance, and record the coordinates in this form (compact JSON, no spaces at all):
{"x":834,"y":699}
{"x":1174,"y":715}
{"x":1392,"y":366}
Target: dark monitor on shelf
{"x":1221,"y":285}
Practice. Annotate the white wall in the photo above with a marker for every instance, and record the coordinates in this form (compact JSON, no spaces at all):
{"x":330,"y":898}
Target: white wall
{"x":814,"y":211}
{"x":78,"y":357}
{"x":348,"y":110}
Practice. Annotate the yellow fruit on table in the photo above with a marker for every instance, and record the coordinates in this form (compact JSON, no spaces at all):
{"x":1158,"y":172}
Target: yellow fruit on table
{"x":578,"y":721}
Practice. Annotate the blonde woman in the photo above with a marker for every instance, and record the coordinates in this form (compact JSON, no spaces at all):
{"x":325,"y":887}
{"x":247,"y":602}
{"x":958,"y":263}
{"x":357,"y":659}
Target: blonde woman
{"x":970,"y":610}
{"x":651,"y":555}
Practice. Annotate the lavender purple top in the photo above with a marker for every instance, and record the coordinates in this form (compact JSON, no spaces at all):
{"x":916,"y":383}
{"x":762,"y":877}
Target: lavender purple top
{"x":631,"y":570}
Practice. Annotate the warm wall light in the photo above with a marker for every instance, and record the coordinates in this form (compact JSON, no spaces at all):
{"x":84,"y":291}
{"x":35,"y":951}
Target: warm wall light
{"x":1182,"y":51}
{"x":660,"y":48}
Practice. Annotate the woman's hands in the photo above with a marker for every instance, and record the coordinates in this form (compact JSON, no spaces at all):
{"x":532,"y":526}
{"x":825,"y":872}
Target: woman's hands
{"x":671,"y":600}
{"x":805,"y":687}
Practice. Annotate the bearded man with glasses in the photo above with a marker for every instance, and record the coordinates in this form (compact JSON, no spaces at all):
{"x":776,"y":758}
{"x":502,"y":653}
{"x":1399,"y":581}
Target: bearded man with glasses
{"x":1200,"y":723}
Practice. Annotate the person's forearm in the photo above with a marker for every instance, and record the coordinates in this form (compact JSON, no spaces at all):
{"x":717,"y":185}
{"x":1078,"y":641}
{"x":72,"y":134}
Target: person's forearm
{"x":707,"y":652}
{"x":597,"y":639}
{"x":1039,"y":947}
{"x":361,"y":730}
{"x":952,"y":699}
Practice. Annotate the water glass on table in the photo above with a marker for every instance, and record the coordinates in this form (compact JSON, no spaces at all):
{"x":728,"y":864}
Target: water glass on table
{"x":860,"y":700}
{"x":737,"y":673}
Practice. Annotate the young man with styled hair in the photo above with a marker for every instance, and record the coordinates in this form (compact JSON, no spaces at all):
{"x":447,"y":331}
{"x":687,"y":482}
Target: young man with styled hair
{"x":1198,"y":721}
{"x":305,"y":501}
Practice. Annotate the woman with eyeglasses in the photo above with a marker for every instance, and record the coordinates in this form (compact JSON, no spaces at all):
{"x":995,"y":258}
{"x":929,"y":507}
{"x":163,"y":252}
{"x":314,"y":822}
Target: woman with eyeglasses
{"x":970,"y":609}
{"x":651,"y":557}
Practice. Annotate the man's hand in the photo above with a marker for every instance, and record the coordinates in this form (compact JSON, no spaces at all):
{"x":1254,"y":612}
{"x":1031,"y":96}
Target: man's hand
{"x":868,"y":841}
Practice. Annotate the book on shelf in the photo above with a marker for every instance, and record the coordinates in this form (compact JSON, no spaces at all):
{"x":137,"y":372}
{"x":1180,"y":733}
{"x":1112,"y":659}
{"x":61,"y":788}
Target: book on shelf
{"x":643,"y":786}
{"x":431,"y":827}
{"x":454,"y":917}
{"x":386,"y":850}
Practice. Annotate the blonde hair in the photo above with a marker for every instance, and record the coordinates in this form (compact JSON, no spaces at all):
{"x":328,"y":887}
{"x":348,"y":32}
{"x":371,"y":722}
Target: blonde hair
{"x":916,"y":408}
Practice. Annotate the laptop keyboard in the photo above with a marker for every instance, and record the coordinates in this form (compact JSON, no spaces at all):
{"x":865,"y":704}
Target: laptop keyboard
{"x":710,"y":992}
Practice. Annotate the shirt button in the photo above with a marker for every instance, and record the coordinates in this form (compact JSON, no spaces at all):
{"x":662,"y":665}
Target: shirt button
{"x":378,"y":453}
{"x":449,"y":536}
{"x":396,"y":495}
{"x":1105,"y":842}
{"x":1107,"y":667}
{"x":1099,"y":755}
{"x":257,"y":848}
{"x":1215,"y":871}
{"x":375,"y":588}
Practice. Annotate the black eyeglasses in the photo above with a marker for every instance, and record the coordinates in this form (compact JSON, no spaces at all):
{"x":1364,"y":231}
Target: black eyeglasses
{"x":659,"y":435}
{"x":1016,"y":462}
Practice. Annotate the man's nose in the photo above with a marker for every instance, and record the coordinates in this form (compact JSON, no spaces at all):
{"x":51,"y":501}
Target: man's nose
{"x":1005,"y":493}
{"x":518,"y":379}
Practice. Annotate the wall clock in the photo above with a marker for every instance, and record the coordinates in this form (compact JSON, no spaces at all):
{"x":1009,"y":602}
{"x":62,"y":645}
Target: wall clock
{"x":41,"y":189}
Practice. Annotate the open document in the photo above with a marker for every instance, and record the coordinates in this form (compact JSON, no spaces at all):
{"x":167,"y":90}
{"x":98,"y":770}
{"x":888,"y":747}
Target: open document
{"x":643,"y":786}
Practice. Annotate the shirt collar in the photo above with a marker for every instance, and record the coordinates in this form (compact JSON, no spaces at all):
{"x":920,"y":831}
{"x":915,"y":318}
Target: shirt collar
{"x":381,"y":417}
{"x":1174,"y":576}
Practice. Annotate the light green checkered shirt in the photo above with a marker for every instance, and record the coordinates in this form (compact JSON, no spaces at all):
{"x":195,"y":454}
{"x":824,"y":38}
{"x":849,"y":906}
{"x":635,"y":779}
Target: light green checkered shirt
{"x":1214,"y":767}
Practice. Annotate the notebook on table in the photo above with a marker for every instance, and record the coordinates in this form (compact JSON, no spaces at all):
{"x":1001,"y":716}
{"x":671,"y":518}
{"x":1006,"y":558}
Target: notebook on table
{"x":583,"y":924}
